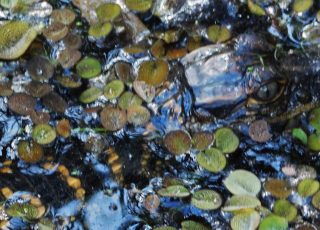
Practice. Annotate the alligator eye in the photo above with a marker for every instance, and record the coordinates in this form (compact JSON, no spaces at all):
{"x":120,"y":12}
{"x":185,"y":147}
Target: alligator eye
{"x":268,"y":92}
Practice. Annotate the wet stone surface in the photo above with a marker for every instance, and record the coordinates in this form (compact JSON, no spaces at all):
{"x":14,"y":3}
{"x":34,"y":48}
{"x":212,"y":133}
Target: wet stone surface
{"x":140,"y":114}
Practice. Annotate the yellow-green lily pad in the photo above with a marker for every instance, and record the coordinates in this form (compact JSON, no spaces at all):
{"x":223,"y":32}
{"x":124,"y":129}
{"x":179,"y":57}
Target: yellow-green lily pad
{"x":278,"y":188}
{"x":153,"y":72}
{"x":108,"y":12}
{"x":218,"y":34}
{"x":206,"y":199}
{"x":100,"y":30}
{"x":212,"y":160}
{"x":239,"y":202}
{"x":128,"y":99}
{"x":24,"y":210}
{"x":30,"y":151}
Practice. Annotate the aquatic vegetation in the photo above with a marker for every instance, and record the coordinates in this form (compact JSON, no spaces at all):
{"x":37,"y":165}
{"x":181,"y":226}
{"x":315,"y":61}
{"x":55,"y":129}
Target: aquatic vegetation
{"x":307,"y":187}
{"x":144,"y":91}
{"x":285,"y":209}
{"x":129,"y":99}
{"x":90,"y":95}
{"x":88,"y":67}
{"x":239,"y":202}
{"x":202,"y":140}
{"x":100,"y":30}
{"x":259,"y":131}
{"x":64,"y":16}
{"x":55,"y":102}
{"x":212,"y":160}
{"x":15,"y":39}
{"x":113,"y":119}
{"x":299,"y":134}
{"x":55,"y":31}
{"x":69,"y":57}
{"x":153,"y":72}
{"x":151,"y":202}
{"x":245,"y":220}
{"x":139,"y":5}
{"x":108,"y":12}
{"x":178,"y":191}
{"x":314,"y":142}
{"x":72,"y":41}
{"x":278,"y":188}
{"x":21,"y":103}
{"x":206,"y":199}
{"x":226,"y":140}
{"x":218,"y":34}
{"x":138,"y":115}
{"x":63,"y":128}
{"x":273,"y":222}
{"x":38,"y":89}
{"x":177,"y":142}
{"x":40,"y":68}
{"x":113,"y":89}
{"x":255,"y":8}
{"x":30,"y":151}
{"x":43,"y":134}
{"x":242,"y":182}
{"x":302,"y":5}
{"x":190,"y":224}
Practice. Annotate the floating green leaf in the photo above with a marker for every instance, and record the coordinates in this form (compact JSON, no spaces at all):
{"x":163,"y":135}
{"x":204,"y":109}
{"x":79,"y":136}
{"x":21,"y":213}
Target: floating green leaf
{"x":177,"y":142}
{"x":108,"y":12}
{"x":218,"y":34}
{"x":302,"y":5}
{"x":113,"y":119}
{"x":316,"y":200}
{"x":299,"y":134}
{"x":285,"y":209}
{"x":128,"y":99}
{"x":246,"y":220}
{"x":100,"y":30}
{"x":193,"y":225}
{"x":165,"y":228}
{"x":138,"y":115}
{"x":153,"y":72}
{"x":30,"y":151}
{"x":273,"y":222}
{"x":15,"y":39}
{"x":307,"y":187}
{"x":243,"y":182}
{"x":88,"y":67}
{"x":23,"y":210}
{"x":212,"y":159}
{"x":239,"y":202}
{"x":202,"y":140}
{"x":178,"y":191}
{"x":255,"y":8}
{"x":226,"y":140}
{"x":314,"y":142}
{"x":90,"y":95}
{"x":139,"y":5}
{"x":43,"y":134}
{"x":113,"y":89}
{"x":206,"y":199}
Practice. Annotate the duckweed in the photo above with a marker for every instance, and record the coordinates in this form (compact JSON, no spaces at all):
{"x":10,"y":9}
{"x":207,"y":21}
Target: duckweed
{"x":128,"y":99}
{"x":299,"y":134}
{"x":177,"y":142}
{"x":108,"y":12}
{"x":30,"y":151}
{"x":256,"y":9}
{"x":144,"y":91}
{"x":88,"y":68}
{"x":307,"y":187}
{"x":113,"y":119}
{"x":100,"y":30}
{"x":285,"y":209}
{"x":278,"y":188}
{"x":202,"y":140}
{"x":218,"y":34}
{"x":153,"y":72}
{"x":90,"y":95}
{"x":40,"y":68}
{"x":226,"y":140}
{"x":24,"y":210}
{"x":240,"y":202}
{"x":192,"y":225}
{"x":64,"y":16}
{"x":212,"y":160}
{"x":43,"y":134}
{"x":206,"y":199}
{"x":314,"y":142}
{"x":273,"y":222}
{"x":139,"y":5}
{"x":113,"y":89}
{"x":302,"y":5}
{"x":55,"y":31}
{"x":138,"y":115}
{"x":21,"y":103}
{"x":316,"y":200}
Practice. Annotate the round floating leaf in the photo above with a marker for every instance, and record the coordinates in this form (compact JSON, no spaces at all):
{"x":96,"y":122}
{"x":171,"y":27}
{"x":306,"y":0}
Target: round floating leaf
{"x":255,"y":8}
{"x":176,"y":53}
{"x":285,"y":209}
{"x":72,"y":41}
{"x":30,"y":151}
{"x":88,"y":67}
{"x":226,"y":140}
{"x":192,"y":225}
{"x":100,"y":30}
{"x":314,"y":142}
{"x":212,"y":159}
{"x":21,"y":103}
{"x":302,"y":5}
{"x":299,"y":134}
{"x":113,"y":119}
{"x":218,"y":34}
{"x":245,"y":220}
{"x":239,"y":202}
{"x":63,"y":128}
{"x":69,"y":57}
{"x":139,"y":5}
{"x":55,"y":31}
{"x":157,"y":49}
{"x":113,"y":89}
{"x":177,"y":142}
{"x":124,"y":72}
{"x":90,"y":95}
{"x":37,"y":89}
{"x":316,"y":200}
{"x":15,"y":39}
{"x":259,"y":131}
{"x":206,"y":199}
{"x":40,"y":68}
{"x":138,"y":115}
{"x":25,"y":211}
{"x":43,"y":134}
{"x":108,"y":12}
{"x":278,"y":188}
{"x":202,"y":140}
{"x":308,"y":187}
{"x":273,"y":222}
{"x":243,"y":182}
{"x":70,"y":82}
{"x":177,"y":191}
{"x":314,"y":119}
{"x":39,"y":117}
{"x":55,"y":102}
{"x":64,"y":16}
{"x":129,"y":99}
{"x":145,"y":91}
{"x":165,"y":228}
{"x":153,"y":72}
